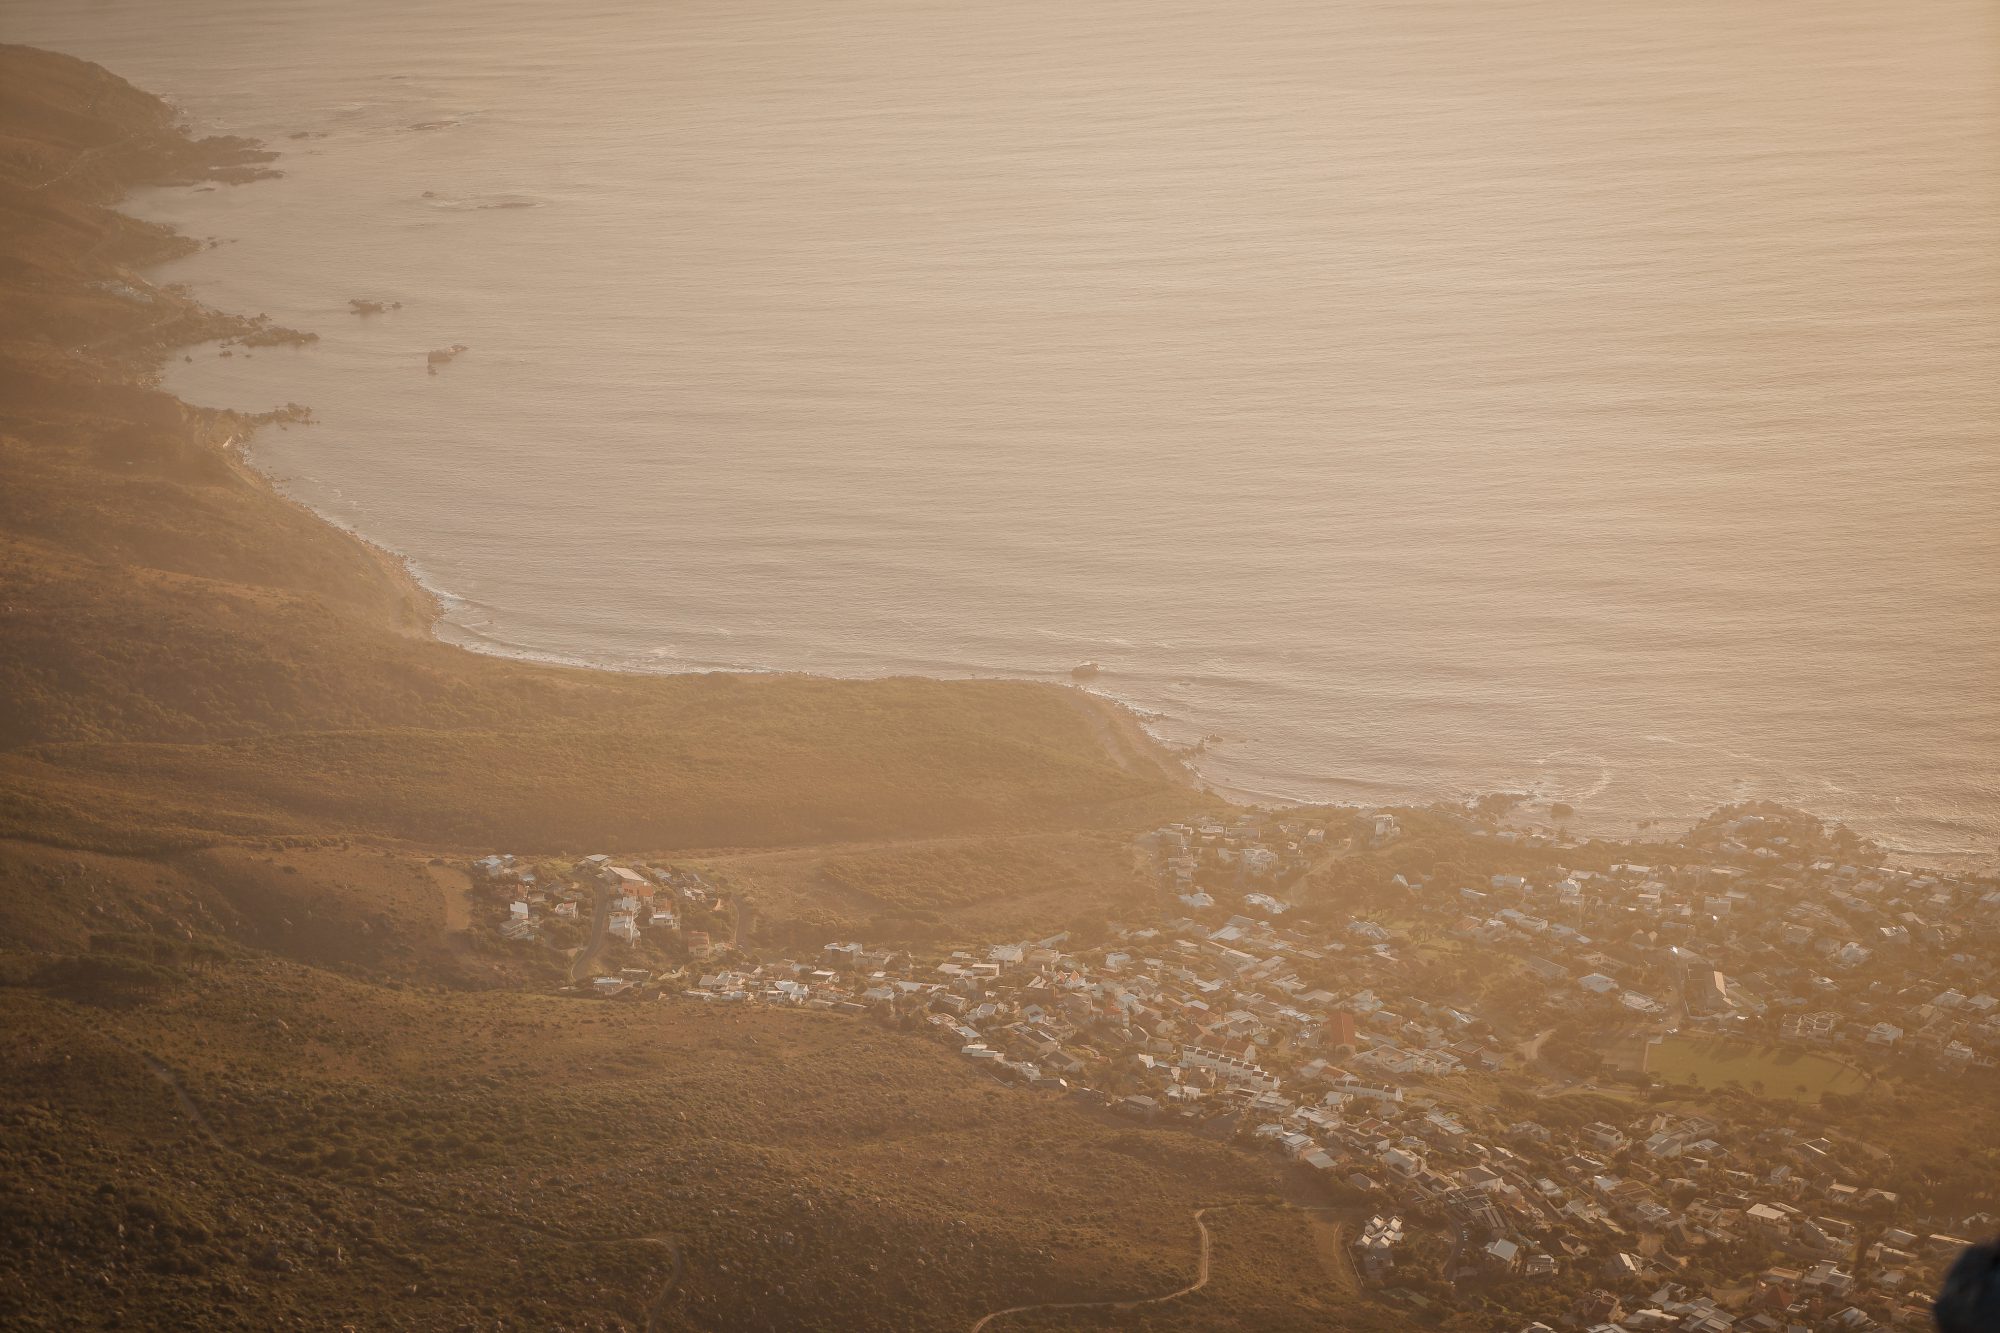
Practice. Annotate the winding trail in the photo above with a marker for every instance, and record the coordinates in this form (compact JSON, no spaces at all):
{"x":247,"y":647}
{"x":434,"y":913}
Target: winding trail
{"x":1202,"y":1268}
{"x":659,"y":1303}
{"x":1200,"y":1280}
{"x":86,"y":154}
{"x":161,"y":1072}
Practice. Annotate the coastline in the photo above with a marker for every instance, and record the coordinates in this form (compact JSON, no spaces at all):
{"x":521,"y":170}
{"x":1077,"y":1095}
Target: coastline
{"x":1183,"y":761}
{"x":1126,"y":738}
{"x":421,"y":611}
{"x":357,"y":977}
{"x":425,"y":608}
{"x":193,"y":658}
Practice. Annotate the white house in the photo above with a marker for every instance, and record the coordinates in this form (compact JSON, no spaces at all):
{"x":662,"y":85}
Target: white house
{"x":1402,"y":1163}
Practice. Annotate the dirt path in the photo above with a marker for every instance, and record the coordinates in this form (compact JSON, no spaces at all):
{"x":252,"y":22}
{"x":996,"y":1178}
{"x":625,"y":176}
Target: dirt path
{"x":1200,"y":1281}
{"x":185,"y":1102}
{"x":1342,"y":1261}
{"x":1326,"y":860}
{"x":1330,"y":1237}
{"x":1531,"y":1049}
{"x":600,"y":922}
{"x":85,"y":156}
{"x":455,"y":888}
{"x":659,"y":1305}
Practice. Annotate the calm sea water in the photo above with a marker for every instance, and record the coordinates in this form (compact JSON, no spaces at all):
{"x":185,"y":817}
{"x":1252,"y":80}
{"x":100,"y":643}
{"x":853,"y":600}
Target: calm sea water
{"x":1418,"y":396}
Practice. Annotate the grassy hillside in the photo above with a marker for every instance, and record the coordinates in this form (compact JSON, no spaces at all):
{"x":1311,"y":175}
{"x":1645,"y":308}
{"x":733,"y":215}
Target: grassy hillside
{"x":239,"y":1098}
{"x":240,"y":1143}
{"x":938,"y":889}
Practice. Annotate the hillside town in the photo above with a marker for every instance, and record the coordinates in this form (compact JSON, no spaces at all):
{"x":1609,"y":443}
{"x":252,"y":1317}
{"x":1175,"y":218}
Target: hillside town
{"x":1493,"y":1071}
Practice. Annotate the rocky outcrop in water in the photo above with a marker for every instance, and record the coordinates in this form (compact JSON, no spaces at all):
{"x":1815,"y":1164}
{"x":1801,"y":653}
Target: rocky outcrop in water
{"x":444,"y":356}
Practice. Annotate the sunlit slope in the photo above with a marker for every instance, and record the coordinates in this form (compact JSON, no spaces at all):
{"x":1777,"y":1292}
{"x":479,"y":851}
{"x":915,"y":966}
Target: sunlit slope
{"x":185,"y":655}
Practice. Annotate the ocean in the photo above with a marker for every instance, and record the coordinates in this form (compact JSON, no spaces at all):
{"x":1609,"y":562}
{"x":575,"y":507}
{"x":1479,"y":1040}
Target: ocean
{"x":1398,"y":399}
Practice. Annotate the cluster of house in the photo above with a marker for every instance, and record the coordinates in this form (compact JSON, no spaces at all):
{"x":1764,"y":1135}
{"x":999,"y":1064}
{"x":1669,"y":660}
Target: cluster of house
{"x":1674,"y":1306}
{"x":1313,"y":1042}
{"x":1201,"y":864}
{"x":529,"y":901}
{"x":1173,"y":1025}
{"x":1786,"y":946}
{"x":637,"y":900}
{"x":1813,"y":1297}
{"x":1376,"y":1245}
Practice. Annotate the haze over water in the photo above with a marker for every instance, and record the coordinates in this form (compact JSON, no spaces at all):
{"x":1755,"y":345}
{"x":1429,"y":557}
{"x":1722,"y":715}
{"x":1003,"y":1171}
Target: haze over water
{"x":1424,"y":398}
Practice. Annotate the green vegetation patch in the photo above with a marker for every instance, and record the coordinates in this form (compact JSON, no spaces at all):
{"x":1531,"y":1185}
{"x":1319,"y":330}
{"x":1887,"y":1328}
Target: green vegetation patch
{"x":1767,"y":1070}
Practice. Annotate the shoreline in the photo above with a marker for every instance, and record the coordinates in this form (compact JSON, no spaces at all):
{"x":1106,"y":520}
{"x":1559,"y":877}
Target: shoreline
{"x":427,"y":608}
{"x":430,"y":605}
{"x":424,"y":612}
{"x":194,"y":658}
{"x":1182,"y":759}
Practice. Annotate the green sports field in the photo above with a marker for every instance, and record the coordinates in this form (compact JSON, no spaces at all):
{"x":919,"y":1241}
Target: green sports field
{"x":1771,"y":1071}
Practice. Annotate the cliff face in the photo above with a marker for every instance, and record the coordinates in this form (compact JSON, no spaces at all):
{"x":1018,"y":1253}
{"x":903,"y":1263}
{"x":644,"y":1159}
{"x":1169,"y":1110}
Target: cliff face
{"x":186,"y":657}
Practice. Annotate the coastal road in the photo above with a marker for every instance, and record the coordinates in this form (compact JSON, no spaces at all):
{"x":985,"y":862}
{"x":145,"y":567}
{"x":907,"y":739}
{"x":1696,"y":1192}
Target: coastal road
{"x":600,"y":924}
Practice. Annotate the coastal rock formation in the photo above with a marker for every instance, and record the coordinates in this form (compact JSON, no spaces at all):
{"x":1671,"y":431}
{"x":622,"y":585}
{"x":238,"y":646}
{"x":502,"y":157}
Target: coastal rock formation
{"x":263,"y":333}
{"x":477,"y":203}
{"x":364,"y":307}
{"x":444,"y":356}
{"x":289,"y":414}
